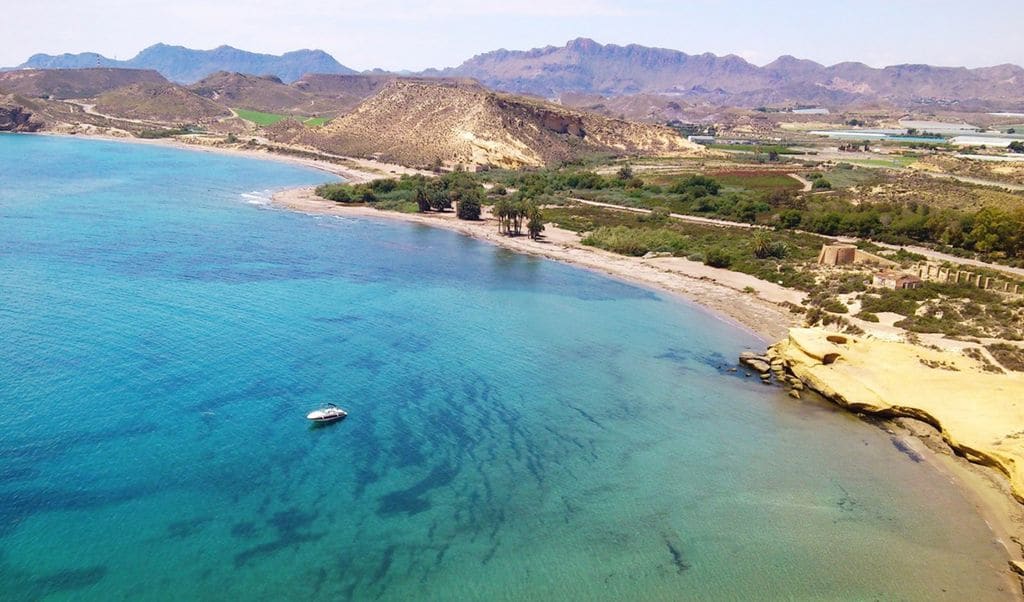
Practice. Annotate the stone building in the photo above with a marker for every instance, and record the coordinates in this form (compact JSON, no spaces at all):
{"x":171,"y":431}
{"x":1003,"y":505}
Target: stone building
{"x":895,"y":280}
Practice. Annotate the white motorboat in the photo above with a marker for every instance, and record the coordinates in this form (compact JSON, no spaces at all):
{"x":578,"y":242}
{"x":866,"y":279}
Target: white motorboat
{"x":328,"y":413}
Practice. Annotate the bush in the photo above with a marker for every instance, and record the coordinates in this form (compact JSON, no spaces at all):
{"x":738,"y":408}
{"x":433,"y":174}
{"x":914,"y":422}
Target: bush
{"x":718,"y":258}
{"x":696,"y":187}
{"x":820,"y":183}
{"x":340,"y":193}
{"x":657,"y":215}
{"x":468,"y":208}
{"x":636,"y":241}
{"x":764,"y":247}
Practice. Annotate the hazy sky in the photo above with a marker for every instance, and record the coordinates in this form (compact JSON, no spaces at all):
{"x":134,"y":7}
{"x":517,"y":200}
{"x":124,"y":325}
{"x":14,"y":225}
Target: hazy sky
{"x":415,"y":34}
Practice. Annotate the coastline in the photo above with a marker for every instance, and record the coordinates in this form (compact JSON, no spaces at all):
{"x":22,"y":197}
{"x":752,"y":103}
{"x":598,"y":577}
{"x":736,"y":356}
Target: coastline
{"x":718,"y":291}
{"x":930,"y":400}
{"x":985,"y":486}
{"x":351,"y":169}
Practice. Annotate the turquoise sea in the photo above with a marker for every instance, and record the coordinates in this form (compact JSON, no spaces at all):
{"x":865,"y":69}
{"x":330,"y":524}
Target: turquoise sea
{"x":519,"y":429}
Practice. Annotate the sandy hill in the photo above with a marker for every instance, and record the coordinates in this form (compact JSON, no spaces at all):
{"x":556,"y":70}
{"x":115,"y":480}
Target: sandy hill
{"x":73,"y":83}
{"x":166,"y":102}
{"x":419,"y":121}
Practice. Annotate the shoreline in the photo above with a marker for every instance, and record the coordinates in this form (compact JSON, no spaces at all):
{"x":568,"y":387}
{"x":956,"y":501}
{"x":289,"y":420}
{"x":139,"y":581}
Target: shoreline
{"x":361,"y":170}
{"x":713,"y":289}
{"x":986,"y":488}
{"x":941,"y":408}
{"x":720,"y":293}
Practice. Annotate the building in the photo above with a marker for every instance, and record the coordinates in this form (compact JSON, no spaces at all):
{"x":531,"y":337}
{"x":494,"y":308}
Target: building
{"x":837,"y":254}
{"x":847,"y":254}
{"x":895,"y":280}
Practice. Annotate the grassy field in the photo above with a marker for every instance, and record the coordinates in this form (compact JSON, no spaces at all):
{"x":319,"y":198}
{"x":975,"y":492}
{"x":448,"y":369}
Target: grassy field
{"x":271,"y":118}
{"x":845,"y":177}
{"x":756,"y":180}
{"x":895,"y":162}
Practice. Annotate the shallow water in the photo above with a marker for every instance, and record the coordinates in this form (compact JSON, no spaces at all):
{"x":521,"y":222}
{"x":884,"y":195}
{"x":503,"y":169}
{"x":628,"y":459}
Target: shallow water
{"x":519,"y":429}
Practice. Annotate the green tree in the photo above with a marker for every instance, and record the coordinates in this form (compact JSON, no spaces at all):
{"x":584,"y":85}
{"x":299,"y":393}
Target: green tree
{"x":468,"y":206}
{"x":422,"y":201}
{"x":440,"y":200}
{"x":625,"y":173}
{"x":535,"y":225}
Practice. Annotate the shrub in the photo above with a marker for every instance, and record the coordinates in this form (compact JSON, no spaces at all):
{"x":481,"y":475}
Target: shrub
{"x":696,"y":186}
{"x":340,"y":193}
{"x":657,"y":215}
{"x":718,"y":258}
{"x":468,"y":208}
{"x":636,"y":241}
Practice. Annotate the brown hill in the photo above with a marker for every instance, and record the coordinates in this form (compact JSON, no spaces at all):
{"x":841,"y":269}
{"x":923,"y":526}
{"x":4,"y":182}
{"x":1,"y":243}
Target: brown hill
{"x":16,"y":115}
{"x":587,"y":67}
{"x":262,"y":93}
{"x":73,"y":83}
{"x":417,"y":122}
{"x":345,"y":91}
{"x":166,"y":103}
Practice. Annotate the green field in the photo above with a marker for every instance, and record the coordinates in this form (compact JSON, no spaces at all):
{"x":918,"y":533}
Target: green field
{"x":756,"y":148}
{"x":756,"y":180}
{"x":891,"y":162}
{"x":271,"y":118}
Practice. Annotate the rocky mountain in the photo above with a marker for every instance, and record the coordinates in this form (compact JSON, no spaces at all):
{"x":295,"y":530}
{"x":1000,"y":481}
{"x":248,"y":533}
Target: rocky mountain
{"x":73,"y":83}
{"x":185,"y":65}
{"x":586,"y":67}
{"x":420,"y":121}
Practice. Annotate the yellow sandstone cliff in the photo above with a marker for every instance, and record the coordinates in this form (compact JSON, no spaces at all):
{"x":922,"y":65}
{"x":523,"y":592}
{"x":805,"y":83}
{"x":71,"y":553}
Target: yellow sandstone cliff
{"x":980,"y":414}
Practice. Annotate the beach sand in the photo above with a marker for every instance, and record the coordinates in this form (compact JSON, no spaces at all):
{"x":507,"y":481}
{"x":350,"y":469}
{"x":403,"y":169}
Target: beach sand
{"x":721,"y":291}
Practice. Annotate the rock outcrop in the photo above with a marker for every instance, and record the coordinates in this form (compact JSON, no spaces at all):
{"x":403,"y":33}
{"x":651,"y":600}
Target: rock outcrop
{"x":980,"y":414}
{"x":14,"y":117}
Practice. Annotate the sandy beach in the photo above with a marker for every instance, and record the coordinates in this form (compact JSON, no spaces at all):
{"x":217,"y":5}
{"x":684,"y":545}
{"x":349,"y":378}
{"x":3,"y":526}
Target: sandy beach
{"x":762,"y":312}
{"x":721,"y":291}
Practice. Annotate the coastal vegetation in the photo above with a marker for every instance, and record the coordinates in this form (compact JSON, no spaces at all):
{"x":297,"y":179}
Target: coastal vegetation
{"x":992,"y":225}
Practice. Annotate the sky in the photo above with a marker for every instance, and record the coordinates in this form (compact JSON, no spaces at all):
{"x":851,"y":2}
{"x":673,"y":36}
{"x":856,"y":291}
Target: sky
{"x":416,"y":34}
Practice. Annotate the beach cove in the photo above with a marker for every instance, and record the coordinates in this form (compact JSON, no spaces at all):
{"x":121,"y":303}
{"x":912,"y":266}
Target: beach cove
{"x":167,"y":331}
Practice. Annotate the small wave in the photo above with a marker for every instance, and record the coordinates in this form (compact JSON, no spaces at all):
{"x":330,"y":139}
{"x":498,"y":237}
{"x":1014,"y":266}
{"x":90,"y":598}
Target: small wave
{"x":258,"y":197}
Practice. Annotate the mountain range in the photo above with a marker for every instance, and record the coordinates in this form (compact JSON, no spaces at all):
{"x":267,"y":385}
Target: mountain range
{"x":186,"y":66}
{"x":585,"y":67}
